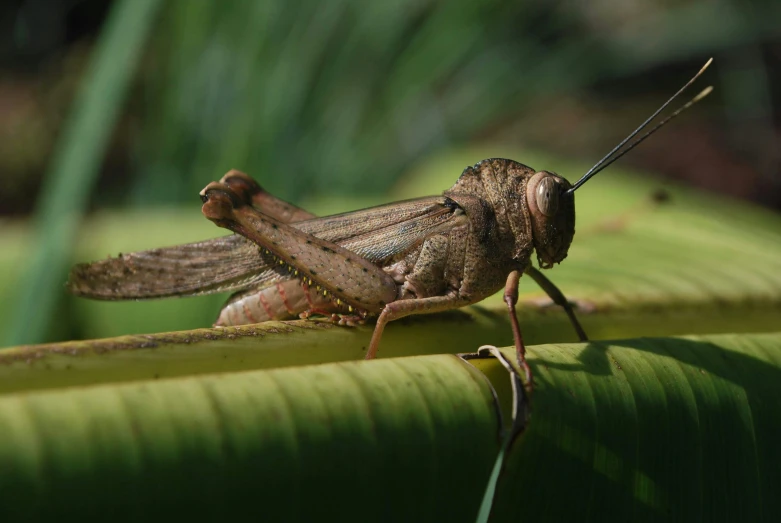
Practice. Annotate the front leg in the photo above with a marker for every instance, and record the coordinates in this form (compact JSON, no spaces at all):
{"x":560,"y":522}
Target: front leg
{"x":511,"y":299}
{"x":341,"y":273}
{"x":558,"y":298}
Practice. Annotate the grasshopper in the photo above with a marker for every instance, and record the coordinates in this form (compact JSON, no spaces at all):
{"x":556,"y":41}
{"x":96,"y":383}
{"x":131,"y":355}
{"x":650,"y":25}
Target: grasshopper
{"x":417,"y":256}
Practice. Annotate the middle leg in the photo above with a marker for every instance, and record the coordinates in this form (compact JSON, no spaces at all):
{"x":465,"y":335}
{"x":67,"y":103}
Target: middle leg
{"x":399,"y":309}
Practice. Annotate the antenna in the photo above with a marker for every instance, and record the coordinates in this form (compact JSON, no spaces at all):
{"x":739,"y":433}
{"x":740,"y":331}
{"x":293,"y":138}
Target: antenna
{"x":609,"y":158}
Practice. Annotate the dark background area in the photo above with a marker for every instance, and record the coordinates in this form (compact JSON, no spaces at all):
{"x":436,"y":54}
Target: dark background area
{"x":344,"y":97}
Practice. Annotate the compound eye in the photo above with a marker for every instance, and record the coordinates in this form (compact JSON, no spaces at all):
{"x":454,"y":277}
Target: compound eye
{"x":548,"y":196}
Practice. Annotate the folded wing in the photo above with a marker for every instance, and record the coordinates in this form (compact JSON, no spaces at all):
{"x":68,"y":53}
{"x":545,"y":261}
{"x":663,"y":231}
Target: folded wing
{"x":222,"y":264}
{"x":233,"y":263}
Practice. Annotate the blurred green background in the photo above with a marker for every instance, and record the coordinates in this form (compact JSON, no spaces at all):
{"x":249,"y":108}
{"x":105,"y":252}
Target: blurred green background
{"x":137,"y":104}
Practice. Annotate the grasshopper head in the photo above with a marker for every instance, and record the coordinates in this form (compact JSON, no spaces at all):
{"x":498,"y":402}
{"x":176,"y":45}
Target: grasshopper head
{"x":551,"y":198}
{"x":552,"y":211}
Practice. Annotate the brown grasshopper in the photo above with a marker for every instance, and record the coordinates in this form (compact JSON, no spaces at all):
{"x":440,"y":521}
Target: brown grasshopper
{"x":416,"y":256}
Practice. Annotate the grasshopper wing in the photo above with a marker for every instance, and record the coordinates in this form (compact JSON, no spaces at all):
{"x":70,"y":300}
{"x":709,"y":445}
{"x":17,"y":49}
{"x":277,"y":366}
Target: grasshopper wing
{"x":218,"y":265}
{"x":379,"y":234}
{"x":233,"y":263}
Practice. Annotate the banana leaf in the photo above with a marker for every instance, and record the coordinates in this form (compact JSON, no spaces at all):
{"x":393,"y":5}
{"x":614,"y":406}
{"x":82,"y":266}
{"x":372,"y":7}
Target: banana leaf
{"x":651,"y":429}
{"x":668,"y":429}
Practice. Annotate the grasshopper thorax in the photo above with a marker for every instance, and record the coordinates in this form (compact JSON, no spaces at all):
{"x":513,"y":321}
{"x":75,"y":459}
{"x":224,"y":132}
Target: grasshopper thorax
{"x":552,"y":212}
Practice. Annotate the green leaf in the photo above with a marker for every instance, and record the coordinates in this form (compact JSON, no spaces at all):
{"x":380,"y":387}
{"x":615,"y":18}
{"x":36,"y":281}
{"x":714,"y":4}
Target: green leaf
{"x":662,"y":429}
{"x":404,"y":439}
{"x":668,"y":429}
